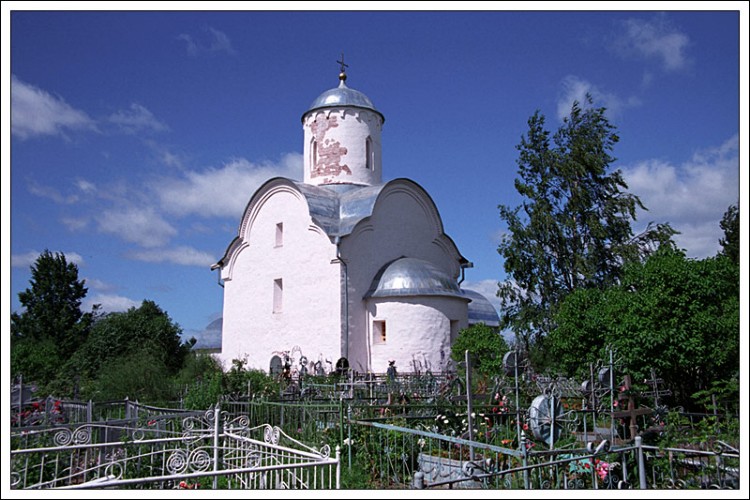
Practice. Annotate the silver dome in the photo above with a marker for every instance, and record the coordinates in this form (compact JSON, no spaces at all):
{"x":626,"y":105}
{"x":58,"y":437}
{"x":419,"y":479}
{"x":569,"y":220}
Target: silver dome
{"x":343,"y":96}
{"x":409,"y":277}
{"x":481,"y":309}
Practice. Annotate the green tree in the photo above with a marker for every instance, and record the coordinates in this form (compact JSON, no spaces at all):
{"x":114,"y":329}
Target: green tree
{"x":51,"y":318}
{"x":144,"y":329}
{"x":573,"y":229}
{"x":486,"y":348}
{"x":730,"y":243}
{"x":677,"y":315}
{"x":140,"y":375}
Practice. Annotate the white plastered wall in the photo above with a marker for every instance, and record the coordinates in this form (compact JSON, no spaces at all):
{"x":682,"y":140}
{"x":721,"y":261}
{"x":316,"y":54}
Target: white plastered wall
{"x":310,"y":315}
{"x":417,"y":328}
{"x":404,"y":223}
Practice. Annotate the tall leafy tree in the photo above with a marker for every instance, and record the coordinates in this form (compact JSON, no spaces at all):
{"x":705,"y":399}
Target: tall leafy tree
{"x":573,"y":228}
{"x":677,"y":315}
{"x":147,"y":330}
{"x":51,"y":318}
{"x":730,"y":243}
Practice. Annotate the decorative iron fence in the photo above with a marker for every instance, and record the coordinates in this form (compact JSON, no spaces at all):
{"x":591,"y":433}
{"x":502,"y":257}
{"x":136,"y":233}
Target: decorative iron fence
{"x":201,"y":450}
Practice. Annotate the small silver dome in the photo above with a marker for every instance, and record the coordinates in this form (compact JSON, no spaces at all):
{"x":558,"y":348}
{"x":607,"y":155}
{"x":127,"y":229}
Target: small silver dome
{"x":343,"y":96}
{"x":481,"y":309}
{"x":408,"y":277}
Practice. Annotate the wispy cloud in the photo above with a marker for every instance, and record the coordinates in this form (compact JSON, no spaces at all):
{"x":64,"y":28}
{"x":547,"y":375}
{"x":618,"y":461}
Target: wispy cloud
{"x":140,"y":225}
{"x":692,"y":197}
{"x":29,"y":258}
{"x":573,"y":88}
{"x":75,"y":223}
{"x":223,"y":192}
{"x":136,"y":119}
{"x":213,"y":41}
{"x":99,"y":285}
{"x":184,"y":256}
{"x":164,"y":154}
{"x":109,"y":303}
{"x":36,"y":112}
{"x":655,"y":39}
{"x":85,"y":186}
{"x":52,"y":194}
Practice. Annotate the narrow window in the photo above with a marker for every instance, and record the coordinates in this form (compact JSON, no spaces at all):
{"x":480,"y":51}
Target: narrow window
{"x":278,"y":291}
{"x":313,"y":155}
{"x":368,"y":154}
{"x":280,"y":234}
{"x":378,"y":332}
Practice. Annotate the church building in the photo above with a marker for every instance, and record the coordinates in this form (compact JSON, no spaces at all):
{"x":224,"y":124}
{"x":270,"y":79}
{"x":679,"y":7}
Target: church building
{"x":342,"y":266}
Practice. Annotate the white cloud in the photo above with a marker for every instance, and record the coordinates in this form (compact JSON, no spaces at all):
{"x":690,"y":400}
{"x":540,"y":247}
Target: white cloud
{"x":99,"y":285}
{"x":142,"y":226}
{"x":655,"y":39}
{"x":109,"y":302}
{"x":573,"y":88}
{"x":52,"y":194}
{"x":35,"y":112}
{"x":164,"y":155}
{"x":85,"y":186}
{"x":29,"y":258}
{"x":75,"y":223}
{"x":488,"y":288}
{"x":692,"y":197}
{"x":184,"y":256}
{"x":223,"y":192}
{"x":136,"y":119}
{"x":215,"y":41}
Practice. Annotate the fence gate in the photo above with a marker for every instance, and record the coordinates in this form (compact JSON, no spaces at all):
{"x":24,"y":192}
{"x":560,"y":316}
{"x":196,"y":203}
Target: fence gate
{"x":199,"y":451}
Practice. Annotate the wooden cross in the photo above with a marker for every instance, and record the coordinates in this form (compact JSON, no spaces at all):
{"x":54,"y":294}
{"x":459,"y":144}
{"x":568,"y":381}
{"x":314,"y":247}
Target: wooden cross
{"x":341,"y":62}
{"x":630,"y":409}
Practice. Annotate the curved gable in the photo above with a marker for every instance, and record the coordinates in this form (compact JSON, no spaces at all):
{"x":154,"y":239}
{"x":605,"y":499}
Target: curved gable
{"x":270,"y":188}
{"x":419,"y":196}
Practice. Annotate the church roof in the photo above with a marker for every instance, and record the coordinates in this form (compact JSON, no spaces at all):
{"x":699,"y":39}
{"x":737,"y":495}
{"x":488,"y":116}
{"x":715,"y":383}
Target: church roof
{"x":481,"y":310}
{"x":342,"y":96}
{"x":335,"y":208}
{"x":338,"y":208}
{"x":408,"y":276}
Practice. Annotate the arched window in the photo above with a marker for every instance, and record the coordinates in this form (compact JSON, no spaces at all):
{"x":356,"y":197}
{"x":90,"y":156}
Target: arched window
{"x":313,"y":154}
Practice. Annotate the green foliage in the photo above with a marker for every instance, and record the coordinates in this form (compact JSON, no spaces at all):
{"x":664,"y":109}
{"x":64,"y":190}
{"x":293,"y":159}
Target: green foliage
{"x":204,"y":393}
{"x":486,"y":347}
{"x":730,"y":243}
{"x":722,"y":396}
{"x":143,"y":329}
{"x":203,"y":378}
{"x":52,"y":316}
{"x":676,"y":315}
{"x":37,"y":360}
{"x":240,"y":381}
{"x":572,"y":230}
{"x":140,"y":375}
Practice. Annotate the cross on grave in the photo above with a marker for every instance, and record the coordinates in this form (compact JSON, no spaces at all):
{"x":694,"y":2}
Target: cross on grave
{"x":629,"y":409}
{"x":654,"y":382}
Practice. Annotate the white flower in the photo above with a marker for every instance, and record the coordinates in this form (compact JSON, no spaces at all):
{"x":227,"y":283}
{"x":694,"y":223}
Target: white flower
{"x":347,"y":442}
{"x":421,"y":442}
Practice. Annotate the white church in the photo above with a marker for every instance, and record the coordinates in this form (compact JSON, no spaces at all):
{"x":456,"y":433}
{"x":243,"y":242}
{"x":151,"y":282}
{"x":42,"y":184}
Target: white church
{"x":342,"y":266}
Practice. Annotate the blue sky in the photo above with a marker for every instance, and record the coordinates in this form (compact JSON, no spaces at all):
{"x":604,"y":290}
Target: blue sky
{"x":137,"y":138}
